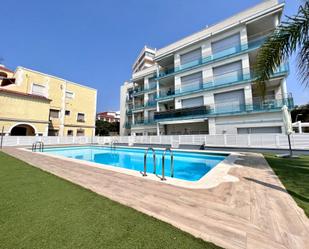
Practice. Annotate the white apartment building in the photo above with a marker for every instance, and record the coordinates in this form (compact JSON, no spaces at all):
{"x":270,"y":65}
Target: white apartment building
{"x":203,"y":83}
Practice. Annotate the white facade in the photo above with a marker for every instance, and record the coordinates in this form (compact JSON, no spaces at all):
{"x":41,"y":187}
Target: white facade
{"x":203,"y":84}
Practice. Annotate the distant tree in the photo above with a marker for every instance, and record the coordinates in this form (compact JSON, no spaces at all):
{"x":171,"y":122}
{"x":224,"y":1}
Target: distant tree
{"x":104,"y":128}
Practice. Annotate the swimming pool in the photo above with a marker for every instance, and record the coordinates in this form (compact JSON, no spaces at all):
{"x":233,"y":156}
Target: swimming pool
{"x":190,"y":166}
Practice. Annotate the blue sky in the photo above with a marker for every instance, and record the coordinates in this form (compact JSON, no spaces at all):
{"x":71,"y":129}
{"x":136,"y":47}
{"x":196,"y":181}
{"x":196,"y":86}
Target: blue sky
{"x":95,"y":42}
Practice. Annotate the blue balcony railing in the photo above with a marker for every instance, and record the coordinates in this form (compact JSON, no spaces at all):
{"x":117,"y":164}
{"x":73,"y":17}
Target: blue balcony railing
{"x":231,"y":78}
{"x":224,"y":109}
{"x":151,"y":103}
{"x":140,"y":90}
{"x":127,"y":125}
{"x":231,"y":51}
{"x":143,"y":122}
{"x":138,"y":106}
{"x":129,"y":111}
{"x":148,"y":104}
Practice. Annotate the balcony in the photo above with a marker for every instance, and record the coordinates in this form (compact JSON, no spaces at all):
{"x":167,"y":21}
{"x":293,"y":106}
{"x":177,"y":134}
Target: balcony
{"x":129,"y":111}
{"x":151,"y":104}
{"x":224,"y":109}
{"x":232,"y":51}
{"x":147,"y":105}
{"x":127,"y":125}
{"x":141,"y":90}
{"x":224,"y":80}
{"x":138,"y":106}
{"x":143,"y":122}
{"x":183,"y":113}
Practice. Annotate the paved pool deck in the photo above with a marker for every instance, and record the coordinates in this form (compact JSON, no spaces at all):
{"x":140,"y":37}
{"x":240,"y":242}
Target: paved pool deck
{"x":254,"y":212}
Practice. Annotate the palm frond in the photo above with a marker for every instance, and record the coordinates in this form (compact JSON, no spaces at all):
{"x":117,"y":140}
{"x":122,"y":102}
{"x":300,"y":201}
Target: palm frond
{"x":286,"y":39}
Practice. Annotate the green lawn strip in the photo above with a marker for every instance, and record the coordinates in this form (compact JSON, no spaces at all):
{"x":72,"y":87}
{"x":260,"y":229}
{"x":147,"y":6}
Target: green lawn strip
{"x":39,"y":210}
{"x":294,"y":174}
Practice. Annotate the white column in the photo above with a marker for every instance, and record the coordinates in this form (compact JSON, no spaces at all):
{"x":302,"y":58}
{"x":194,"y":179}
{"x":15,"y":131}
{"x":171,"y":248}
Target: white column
{"x":246,"y":67}
{"x":207,"y":75}
{"x":158,"y":129}
{"x":206,"y":49}
{"x":146,"y":83}
{"x":284,"y":89}
{"x":244,"y":37}
{"x":248,"y":95}
{"x":178,"y":103}
{"x":209,"y":100}
{"x":177,"y":81}
{"x":177,"y":60}
{"x":212,"y":126}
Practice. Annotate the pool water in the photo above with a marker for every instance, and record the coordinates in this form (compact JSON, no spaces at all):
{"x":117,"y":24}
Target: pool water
{"x":190,"y":166}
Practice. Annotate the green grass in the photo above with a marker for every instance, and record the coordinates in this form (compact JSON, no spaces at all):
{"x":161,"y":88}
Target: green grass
{"x":39,"y":210}
{"x":294,"y":174}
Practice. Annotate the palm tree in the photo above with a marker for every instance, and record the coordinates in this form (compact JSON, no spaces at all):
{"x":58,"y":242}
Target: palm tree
{"x":289,"y":37}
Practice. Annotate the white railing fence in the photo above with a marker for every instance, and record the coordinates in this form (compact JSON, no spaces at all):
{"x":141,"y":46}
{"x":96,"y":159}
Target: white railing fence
{"x":271,"y":141}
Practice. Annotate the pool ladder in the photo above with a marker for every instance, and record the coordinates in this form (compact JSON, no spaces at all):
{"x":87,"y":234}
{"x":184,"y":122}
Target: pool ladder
{"x":163,"y":162}
{"x":113,"y":146}
{"x":145,"y":160}
{"x":40,"y":144}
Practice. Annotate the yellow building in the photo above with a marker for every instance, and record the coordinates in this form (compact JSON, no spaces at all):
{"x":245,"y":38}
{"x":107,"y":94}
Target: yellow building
{"x":34,"y":103}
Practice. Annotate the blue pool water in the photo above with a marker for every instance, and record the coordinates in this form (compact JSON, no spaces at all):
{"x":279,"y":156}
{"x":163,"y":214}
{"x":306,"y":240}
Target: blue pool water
{"x":190,"y":166}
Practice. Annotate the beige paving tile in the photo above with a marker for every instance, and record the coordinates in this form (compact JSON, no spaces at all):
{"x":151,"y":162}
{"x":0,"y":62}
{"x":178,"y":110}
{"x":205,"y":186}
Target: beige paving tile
{"x":255,"y":212}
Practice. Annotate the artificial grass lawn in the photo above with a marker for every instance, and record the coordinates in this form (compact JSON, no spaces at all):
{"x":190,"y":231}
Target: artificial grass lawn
{"x":294,"y":174}
{"x":39,"y":210}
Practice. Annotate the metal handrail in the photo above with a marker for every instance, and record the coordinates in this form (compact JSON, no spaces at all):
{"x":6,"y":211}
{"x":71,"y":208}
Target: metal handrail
{"x":113,"y":146}
{"x":163,"y":163}
{"x":145,"y":160}
{"x":41,"y":146}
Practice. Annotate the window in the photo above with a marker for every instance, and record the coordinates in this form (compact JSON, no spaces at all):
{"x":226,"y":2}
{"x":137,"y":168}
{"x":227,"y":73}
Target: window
{"x":232,"y":101}
{"x":69,"y":95}
{"x":70,"y":132}
{"x":256,"y":130}
{"x":52,"y":132}
{"x":53,"y":113}
{"x":226,"y":46}
{"x":191,"y":82}
{"x":67,"y":112}
{"x":191,"y":56}
{"x":80,"y":132}
{"x":228,"y":73}
{"x":193,"y":102}
{"x":81,"y":117}
{"x":38,"y":89}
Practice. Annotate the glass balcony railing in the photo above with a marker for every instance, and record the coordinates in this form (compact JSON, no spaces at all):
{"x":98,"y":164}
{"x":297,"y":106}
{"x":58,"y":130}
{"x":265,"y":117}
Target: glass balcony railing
{"x":227,"y":79}
{"x":151,"y":103}
{"x":127,"y":125}
{"x":138,"y":106}
{"x":148,"y":104}
{"x":143,"y":122}
{"x":140,"y":90}
{"x":166,"y":92}
{"x":182,"y":113}
{"x":224,"y":109}
{"x":231,"y":51}
{"x":129,"y":111}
